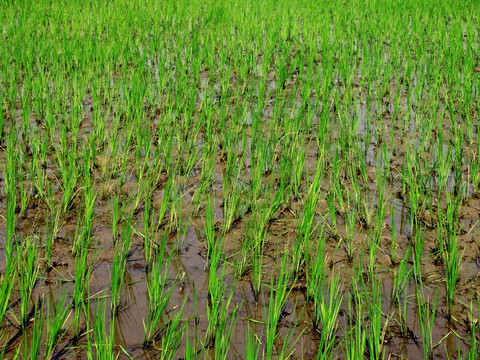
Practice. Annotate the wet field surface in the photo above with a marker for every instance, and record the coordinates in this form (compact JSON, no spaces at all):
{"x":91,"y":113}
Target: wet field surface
{"x":305,"y":191}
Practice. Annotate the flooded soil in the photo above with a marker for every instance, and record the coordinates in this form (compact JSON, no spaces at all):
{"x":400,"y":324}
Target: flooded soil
{"x":127,"y":173}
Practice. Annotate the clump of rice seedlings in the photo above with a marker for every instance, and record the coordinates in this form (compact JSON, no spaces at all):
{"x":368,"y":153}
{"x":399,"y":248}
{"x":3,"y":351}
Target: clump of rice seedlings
{"x":266,"y":209}
{"x":115,"y":214}
{"x":7,"y":280}
{"x":232,"y":191}
{"x":326,"y":310}
{"x":144,"y":184}
{"x":190,"y":348}
{"x":218,"y":303}
{"x":226,"y":324}
{"x":278,"y":295}
{"x":34,"y":339}
{"x":356,"y":335}
{"x":452,"y":272}
{"x":419,"y":244}
{"x":474,"y":352}
{"x":376,"y":332}
{"x":57,"y":317}
{"x":327,"y":300}
{"x":176,"y":213}
{"x":350,"y":220}
{"x":67,"y":164}
{"x":101,"y":337}
{"x":442,"y":165}
{"x":192,"y":151}
{"x":394,"y":244}
{"x":380,"y":214}
{"x":213,"y":251}
{"x":53,"y":224}
{"x":116,"y":278}
{"x":159,"y":294}
{"x":208,"y":161}
{"x":414,"y":186}
{"x":149,"y":232}
{"x":83,"y":272}
{"x":332,"y":211}
{"x":299,"y":152}
{"x":172,"y":335}
{"x":401,"y":275}
{"x":83,"y":240}
{"x":2,"y":121}
{"x":28,"y":274}
{"x":386,"y":157}
{"x":451,"y":258}
{"x":10,"y":175}
{"x":258,"y":159}
{"x":38,"y":172}
{"x":245,"y":259}
{"x":255,"y":237}
{"x":181,"y":233}
{"x":402,"y":313}
{"x":24,"y":194}
{"x":118,"y":267}
{"x":373,"y":248}
{"x":252,"y":345}
{"x":427,"y":311}
{"x":307,"y":217}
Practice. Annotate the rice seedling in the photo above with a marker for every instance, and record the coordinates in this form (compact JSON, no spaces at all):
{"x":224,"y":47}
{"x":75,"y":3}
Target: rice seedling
{"x":232,"y":191}
{"x":278,"y":294}
{"x":299,"y":154}
{"x":254,"y":244}
{"x":207,"y":177}
{"x":305,"y":227}
{"x":224,"y":331}
{"x":172,"y":335}
{"x":66,"y":162}
{"x":83,"y":272}
{"x":213,"y":244}
{"x":252,"y":345}
{"x":116,"y":278}
{"x":10,"y":191}
{"x":101,"y":337}
{"x":427,"y":312}
{"x":376,"y":332}
{"x":34,"y":340}
{"x":159,"y":294}
{"x":57,"y":318}
{"x":149,"y":231}
{"x":474,"y":331}
{"x":116,"y":215}
{"x":325,"y":314}
{"x":333,"y":215}
{"x":356,"y":337}
{"x":190,"y":349}
{"x":327,"y":300}
{"x":419,"y":244}
{"x":394,"y":245}
{"x":28,"y":278}
{"x":7,"y":281}
{"x":220,"y":321}
{"x":452,"y":271}
{"x":350,"y":221}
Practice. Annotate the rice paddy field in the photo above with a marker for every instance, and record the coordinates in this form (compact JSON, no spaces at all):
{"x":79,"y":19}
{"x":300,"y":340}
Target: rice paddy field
{"x":239,"y":180}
